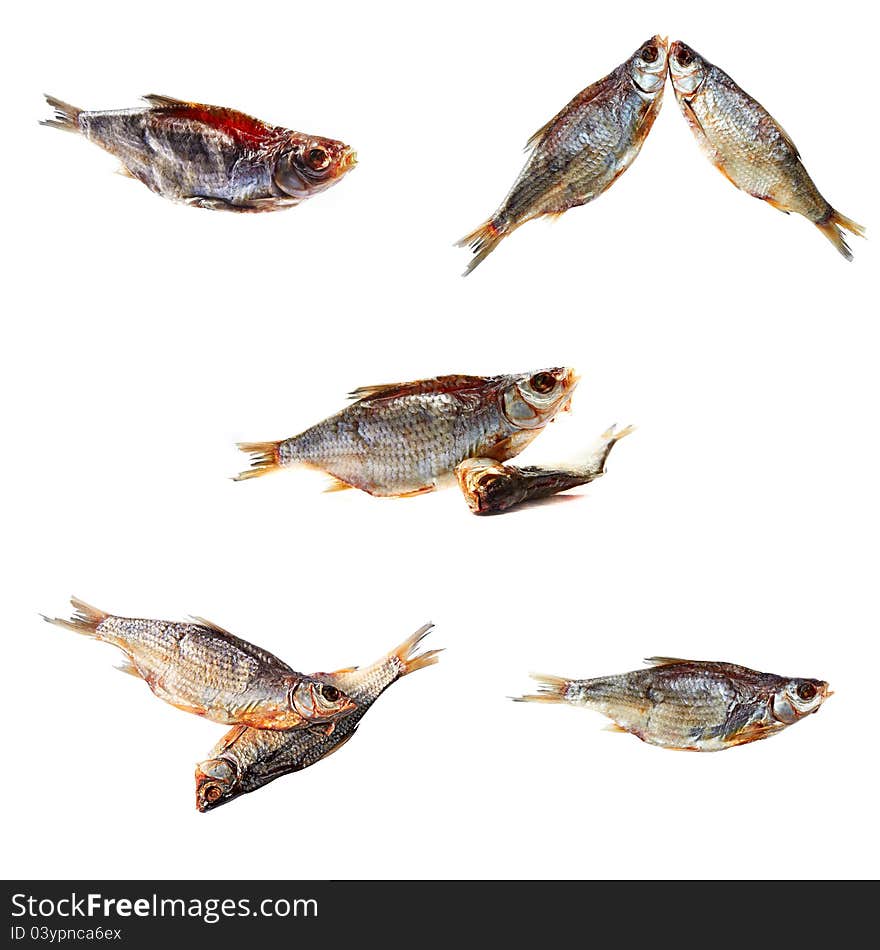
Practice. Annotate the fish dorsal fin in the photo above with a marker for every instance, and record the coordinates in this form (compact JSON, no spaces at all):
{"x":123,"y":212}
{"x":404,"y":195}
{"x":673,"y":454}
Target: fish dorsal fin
{"x":159,"y":101}
{"x":440,"y":384}
{"x":665,"y":660}
{"x":582,"y":98}
{"x":533,"y":141}
{"x":211,"y":625}
{"x":788,"y":140}
{"x":338,"y":745}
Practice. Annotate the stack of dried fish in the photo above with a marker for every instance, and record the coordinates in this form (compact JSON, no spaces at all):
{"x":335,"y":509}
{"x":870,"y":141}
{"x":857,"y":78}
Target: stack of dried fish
{"x":283,"y":721}
{"x":404,"y":439}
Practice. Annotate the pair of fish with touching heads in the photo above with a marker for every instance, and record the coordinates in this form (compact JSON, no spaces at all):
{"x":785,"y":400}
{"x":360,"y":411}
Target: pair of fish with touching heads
{"x":576,"y":156}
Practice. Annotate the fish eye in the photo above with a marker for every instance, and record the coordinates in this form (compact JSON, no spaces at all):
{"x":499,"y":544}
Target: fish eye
{"x":487,"y":481}
{"x":212,"y":792}
{"x":684,"y":56}
{"x":806,"y":691}
{"x":330,"y":693}
{"x":649,"y":53}
{"x":543,"y":383}
{"x":317,"y":159}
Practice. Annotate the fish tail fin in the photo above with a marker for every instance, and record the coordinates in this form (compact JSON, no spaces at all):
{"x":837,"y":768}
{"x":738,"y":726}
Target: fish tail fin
{"x":482,"y":241}
{"x":265,"y":458}
{"x":66,"y":115}
{"x":551,"y":689}
{"x":833,"y":226}
{"x":407,"y":655}
{"x":85,"y":619}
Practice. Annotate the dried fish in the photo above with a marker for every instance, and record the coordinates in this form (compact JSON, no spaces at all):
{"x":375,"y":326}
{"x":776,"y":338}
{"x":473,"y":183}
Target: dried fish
{"x":699,"y":705}
{"x":210,"y":156}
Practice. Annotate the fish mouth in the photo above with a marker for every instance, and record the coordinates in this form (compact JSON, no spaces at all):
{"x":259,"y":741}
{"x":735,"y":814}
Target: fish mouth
{"x":349,"y":160}
{"x":571,"y":382}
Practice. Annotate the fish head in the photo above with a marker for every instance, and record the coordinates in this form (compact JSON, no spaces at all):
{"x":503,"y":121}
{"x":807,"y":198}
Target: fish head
{"x":531,"y":400}
{"x":688,"y":69}
{"x":487,"y":485}
{"x":797,"y":698}
{"x":317,"y":702}
{"x":306,"y":165}
{"x":216,"y":783}
{"x":648,"y":65}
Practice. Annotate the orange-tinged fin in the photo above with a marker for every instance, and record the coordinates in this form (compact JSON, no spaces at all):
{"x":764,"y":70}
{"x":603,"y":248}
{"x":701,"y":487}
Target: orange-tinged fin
{"x":665,"y":660}
{"x":613,"y":727}
{"x":482,"y":241}
{"x":85,"y":619}
{"x":405,"y":651}
{"x":264,"y":459}
{"x":551,"y":689}
{"x":439,"y":384}
{"x":336,"y":484}
{"x":66,"y":115}
{"x":833,"y":227}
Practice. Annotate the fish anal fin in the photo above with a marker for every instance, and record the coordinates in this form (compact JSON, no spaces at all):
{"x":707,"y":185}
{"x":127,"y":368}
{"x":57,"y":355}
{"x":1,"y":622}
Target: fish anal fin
{"x":337,"y":484}
{"x":126,"y":666}
{"x":614,"y":727}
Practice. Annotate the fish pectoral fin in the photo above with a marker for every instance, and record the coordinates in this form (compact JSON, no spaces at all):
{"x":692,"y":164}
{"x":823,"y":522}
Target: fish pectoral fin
{"x":328,"y":729}
{"x":665,"y":660}
{"x":244,"y":206}
{"x":613,"y":727}
{"x":750,"y":733}
{"x":773,"y":203}
{"x":337,"y":484}
{"x":156,"y":100}
{"x":417,"y":491}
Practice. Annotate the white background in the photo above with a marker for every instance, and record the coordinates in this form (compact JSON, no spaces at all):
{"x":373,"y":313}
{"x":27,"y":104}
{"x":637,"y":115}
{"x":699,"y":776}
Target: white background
{"x":739,"y":522}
